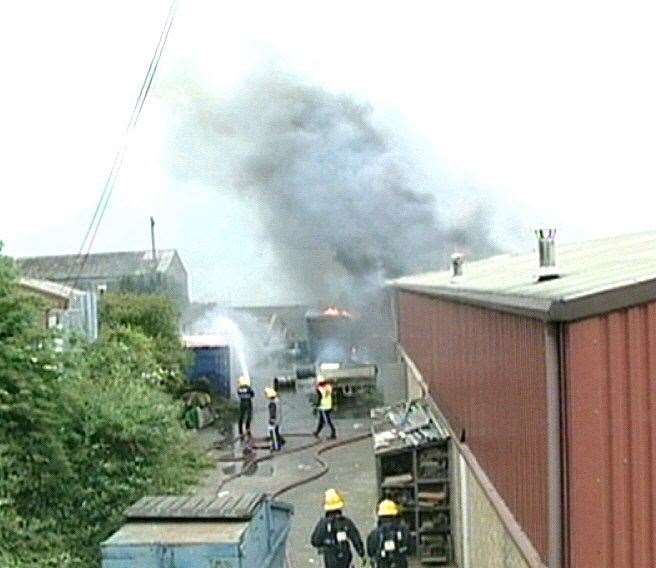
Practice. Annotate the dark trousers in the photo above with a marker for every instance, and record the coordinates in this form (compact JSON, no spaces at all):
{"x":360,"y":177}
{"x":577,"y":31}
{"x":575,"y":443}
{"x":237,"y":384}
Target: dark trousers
{"x":245,"y":416}
{"x":324,"y":418}
{"x":276,"y":438}
{"x":330,"y":560}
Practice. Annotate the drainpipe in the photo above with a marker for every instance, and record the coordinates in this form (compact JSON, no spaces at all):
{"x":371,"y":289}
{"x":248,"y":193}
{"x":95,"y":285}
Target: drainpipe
{"x":394,"y":309}
{"x":554,"y":445}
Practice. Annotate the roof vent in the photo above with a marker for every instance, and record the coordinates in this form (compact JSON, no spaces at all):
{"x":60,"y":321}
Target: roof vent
{"x":457,"y":260}
{"x":547,"y":254}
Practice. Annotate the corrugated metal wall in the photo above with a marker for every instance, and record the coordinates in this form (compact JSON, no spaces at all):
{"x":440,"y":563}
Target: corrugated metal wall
{"x":487,"y":372}
{"x":611,"y":454}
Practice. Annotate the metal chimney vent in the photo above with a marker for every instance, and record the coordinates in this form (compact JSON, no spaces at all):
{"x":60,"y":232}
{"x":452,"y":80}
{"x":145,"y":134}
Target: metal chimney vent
{"x":457,"y":260}
{"x":547,"y":254}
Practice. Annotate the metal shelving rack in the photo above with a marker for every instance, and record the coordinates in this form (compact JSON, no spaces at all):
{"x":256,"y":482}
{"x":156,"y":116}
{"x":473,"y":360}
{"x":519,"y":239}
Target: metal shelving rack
{"x":415,"y":472}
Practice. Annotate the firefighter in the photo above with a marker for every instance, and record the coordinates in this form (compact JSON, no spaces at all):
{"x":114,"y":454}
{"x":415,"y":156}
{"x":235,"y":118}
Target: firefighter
{"x":325,"y":406}
{"x":275,"y":419}
{"x":335,"y":533}
{"x":389,"y":544}
{"x":245,"y":394}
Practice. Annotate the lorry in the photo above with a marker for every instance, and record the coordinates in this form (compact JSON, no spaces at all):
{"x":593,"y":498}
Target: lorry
{"x":334,"y":352}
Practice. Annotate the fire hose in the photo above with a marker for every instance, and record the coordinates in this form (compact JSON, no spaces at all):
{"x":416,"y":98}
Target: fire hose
{"x":251,"y":462}
{"x":323,"y":466}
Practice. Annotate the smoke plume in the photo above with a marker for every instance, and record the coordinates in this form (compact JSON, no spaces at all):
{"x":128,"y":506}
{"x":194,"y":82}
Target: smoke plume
{"x":322,"y":174}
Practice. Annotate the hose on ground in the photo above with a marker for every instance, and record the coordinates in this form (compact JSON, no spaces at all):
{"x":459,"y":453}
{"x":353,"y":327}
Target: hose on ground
{"x":324,"y":467}
{"x":316,"y":475}
{"x":232,"y":441}
{"x":250,"y":463}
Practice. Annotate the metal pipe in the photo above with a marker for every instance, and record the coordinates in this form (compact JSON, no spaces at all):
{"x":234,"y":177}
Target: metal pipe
{"x":562,"y":361}
{"x":546,"y":254}
{"x":457,"y":261}
{"x":554,"y":452}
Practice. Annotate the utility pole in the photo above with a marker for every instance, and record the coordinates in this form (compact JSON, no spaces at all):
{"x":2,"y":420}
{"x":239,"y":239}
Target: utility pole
{"x":152,"y":241}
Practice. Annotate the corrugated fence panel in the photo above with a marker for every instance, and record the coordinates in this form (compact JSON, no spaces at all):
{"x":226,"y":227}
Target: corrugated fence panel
{"x":487,"y":372}
{"x":611,"y":392}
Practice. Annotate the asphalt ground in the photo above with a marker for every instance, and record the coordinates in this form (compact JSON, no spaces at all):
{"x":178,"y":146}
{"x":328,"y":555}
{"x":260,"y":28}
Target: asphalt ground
{"x":351,"y":467}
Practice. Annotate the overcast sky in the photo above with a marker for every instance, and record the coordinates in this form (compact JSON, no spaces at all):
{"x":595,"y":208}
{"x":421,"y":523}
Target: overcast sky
{"x":546,"y":109}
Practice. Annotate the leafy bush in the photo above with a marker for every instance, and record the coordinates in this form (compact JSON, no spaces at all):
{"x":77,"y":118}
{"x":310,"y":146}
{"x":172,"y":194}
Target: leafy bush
{"x":153,"y":315}
{"x":155,"y":283}
{"x":83,"y":434}
{"x":157,"y":318}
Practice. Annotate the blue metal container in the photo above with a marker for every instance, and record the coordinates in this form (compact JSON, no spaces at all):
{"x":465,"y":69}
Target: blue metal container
{"x":211,"y":360}
{"x":241,"y":531}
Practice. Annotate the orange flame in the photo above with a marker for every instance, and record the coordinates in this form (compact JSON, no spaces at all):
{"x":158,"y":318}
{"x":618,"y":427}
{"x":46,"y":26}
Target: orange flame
{"x":336,"y":312}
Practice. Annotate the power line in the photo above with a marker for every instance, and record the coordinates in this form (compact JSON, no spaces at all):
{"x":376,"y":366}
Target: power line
{"x":108,"y":188}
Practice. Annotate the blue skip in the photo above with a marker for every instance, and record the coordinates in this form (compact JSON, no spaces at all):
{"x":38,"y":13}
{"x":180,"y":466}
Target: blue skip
{"x":237,"y":531}
{"x":211,"y":360}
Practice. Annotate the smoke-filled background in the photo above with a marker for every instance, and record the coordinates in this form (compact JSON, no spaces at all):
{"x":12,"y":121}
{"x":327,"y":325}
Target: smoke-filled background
{"x":341,"y":201}
{"x":476,"y":95}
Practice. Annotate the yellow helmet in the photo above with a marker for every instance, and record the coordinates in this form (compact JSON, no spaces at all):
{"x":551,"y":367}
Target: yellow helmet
{"x":333,"y":501}
{"x":387,"y":508}
{"x":244,"y":381}
{"x":269,"y":392}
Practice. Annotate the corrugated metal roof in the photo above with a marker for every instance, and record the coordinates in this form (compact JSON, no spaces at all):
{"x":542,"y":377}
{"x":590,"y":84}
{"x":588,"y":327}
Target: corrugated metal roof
{"x":51,"y":288}
{"x":595,"y":277}
{"x":99,"y":265}
{"x":232,"y":507}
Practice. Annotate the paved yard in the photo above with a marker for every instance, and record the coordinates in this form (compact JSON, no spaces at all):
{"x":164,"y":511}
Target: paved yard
{"x":352,"y":469}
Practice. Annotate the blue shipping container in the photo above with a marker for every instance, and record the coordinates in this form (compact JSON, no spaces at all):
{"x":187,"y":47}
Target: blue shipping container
{"x":239,"y":531}
{"x":212,"y":361}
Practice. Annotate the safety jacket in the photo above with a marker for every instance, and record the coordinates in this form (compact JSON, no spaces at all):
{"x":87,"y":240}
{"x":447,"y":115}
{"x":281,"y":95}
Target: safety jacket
{"x":389,"y":545}
{"x":333,"y":536}
{"x":325,"y":397}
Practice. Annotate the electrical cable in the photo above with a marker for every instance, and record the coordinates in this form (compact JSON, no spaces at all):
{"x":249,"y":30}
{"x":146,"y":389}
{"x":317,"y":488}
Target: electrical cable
{"x":101,"y":207}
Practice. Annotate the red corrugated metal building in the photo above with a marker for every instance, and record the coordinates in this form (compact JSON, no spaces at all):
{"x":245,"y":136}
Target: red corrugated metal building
{"x":551,"y":384}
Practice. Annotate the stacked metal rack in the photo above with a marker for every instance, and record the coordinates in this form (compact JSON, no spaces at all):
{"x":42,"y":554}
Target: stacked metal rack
{"x":413,"y":469}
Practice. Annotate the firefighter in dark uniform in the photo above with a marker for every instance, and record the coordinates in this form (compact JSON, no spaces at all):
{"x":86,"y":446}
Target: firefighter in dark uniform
{"x":245,"y":394}
{"x":275,"y":419}
{"x":389,"y":544}
{"x":335,"y":533}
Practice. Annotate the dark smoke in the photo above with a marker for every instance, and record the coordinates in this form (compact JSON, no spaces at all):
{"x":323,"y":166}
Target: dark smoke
{"x":322,"y":175}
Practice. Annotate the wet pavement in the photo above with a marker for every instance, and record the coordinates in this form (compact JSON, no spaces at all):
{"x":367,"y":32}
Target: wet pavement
{"x":351,"y":467}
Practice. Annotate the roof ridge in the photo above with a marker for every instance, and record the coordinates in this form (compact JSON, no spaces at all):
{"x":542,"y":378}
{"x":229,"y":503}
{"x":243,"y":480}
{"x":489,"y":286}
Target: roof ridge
{"x":596,"y":276}
{"x":140,"y":251}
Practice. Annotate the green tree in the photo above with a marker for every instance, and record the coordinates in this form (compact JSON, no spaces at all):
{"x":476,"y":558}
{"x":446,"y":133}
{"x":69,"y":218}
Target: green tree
{"x":33,"y":456}
{"x":154,"y":315}
{"x":29,"y":395}
{"x":84,"y":432}
{"x":157,"y":318}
